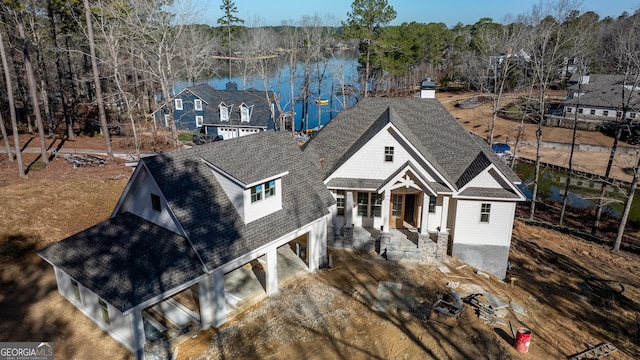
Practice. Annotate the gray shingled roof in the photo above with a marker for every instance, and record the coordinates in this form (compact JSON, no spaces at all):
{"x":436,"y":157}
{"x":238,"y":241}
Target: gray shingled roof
{"x":357,"y":184}
{"x":489,"y":193}
{"x":205,"y":212}
{"x":260,"y":117}
{"x":126,"y":260}
{"x":604,"y":91}
{"x":426,"y":124}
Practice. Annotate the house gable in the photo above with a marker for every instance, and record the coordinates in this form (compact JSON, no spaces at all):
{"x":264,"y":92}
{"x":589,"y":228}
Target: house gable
{"x":143,"y":197}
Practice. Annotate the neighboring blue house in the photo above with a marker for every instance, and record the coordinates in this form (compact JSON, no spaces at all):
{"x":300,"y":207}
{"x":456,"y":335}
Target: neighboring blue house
{"x":230,"y":113}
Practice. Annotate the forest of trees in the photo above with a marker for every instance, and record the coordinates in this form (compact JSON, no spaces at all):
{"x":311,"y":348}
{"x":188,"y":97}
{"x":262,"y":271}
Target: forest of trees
{"x":73,"y":67}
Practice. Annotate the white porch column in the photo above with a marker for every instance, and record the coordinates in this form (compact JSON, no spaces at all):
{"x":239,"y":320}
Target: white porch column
{"x":219,"y":304}
{"x":137,"y":331}
{"x":348,"y":209}
{"x":207,"y":308}
{"x":272,"y":270}
{"x":386,"y":203}
{"x":317,"y":244}
{"x":445,"y":214}
{"x":424,"y":228}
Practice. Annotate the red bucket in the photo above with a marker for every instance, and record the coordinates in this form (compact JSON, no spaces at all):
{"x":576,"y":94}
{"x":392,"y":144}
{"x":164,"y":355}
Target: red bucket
{"x":523,"y":340}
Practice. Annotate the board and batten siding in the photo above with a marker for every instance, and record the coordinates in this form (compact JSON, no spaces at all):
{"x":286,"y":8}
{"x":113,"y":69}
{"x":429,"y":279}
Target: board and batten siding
{"x":138,"y":202}
{"x":119,"y":327}
{"x":469,"y":230}
{"x":368,"y":162}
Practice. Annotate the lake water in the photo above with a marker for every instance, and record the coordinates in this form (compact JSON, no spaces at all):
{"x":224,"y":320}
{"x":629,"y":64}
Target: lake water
{"x":583,"y":192}
{"x":340,"y":68}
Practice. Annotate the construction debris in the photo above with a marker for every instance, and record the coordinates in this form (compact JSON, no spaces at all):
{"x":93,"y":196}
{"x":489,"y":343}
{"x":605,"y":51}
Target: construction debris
{"x":484,"y":310}
{"x":83,"y":160}
{"x":595,"y":352}
{"x":518,"y":309}
{"x":447,"y":309}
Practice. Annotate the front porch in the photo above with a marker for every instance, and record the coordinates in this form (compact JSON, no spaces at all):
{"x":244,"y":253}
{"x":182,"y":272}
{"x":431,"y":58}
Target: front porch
{"x":398,"y":244}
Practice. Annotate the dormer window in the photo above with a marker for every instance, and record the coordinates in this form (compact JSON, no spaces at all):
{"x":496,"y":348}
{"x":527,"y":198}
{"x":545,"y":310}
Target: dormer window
{"x":197,"y":104}
{"x":245,"y":112}
{"x":224,"y":112}
{"x":178,"y":103}
{"x":263,"y":191}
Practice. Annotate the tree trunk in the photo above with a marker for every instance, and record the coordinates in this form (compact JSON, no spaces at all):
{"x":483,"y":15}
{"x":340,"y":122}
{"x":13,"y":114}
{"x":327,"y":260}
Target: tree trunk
{"x":96,"y":79}
{"x":33,"y":89}
{"x":12,"y":108}
{"x":627,"y":207}
{"x":565,"y":198}
{"x":63,"y":95}
{"x":536,"y":176}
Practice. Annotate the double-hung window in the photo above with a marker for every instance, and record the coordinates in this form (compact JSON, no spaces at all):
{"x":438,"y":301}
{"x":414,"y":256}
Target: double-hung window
{"x":178,"y":104}
{"x":363,"y":204}
{"x":104,"y":310}
{"x":263,"y":191}
{"x":269,"y":189}
{"x":485,"y":211}
{"x":432,"y":203}
{"x":376,"y":204}
{"x":76,"y":290}
{"x":256,"y":193}
{"x":199,"y":120}
{"x":388,"y":153}
{"x":197,"y":104}
{"x":340,"y":201}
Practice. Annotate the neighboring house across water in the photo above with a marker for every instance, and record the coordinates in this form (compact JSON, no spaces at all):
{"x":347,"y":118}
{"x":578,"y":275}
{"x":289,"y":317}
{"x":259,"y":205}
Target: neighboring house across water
{"x":404,"y":171}
{"x":229,"y":113}
{"x":196,"y":237}
{"x":596,"y":99}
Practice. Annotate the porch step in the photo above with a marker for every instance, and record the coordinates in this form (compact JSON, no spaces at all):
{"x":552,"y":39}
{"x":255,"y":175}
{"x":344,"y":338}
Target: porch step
{"x":395,"y":255}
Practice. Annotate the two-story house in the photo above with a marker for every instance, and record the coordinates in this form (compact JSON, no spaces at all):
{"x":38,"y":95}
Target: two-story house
{"x":195,"y":238}
{"x":406,"y":163}
{"x":229,"y":113}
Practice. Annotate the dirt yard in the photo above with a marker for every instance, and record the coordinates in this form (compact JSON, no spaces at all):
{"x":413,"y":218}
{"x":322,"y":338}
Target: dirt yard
{"x":570,"y":289}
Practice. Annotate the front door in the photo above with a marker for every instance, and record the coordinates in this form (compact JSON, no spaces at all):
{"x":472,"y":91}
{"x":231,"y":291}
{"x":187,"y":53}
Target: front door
{"x":397,"y":211}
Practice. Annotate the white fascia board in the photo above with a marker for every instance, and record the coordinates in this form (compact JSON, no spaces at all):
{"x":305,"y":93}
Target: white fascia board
{"x":278,"y":176}
{"x":397,"y":131}
{"x":127,"y":188}
{"x":401,"y":174}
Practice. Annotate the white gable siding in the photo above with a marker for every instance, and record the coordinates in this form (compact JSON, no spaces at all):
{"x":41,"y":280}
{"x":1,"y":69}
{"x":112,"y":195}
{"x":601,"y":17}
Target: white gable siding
{"x":264,"y":207}
{"x":368,"y":162}
{"x":234,"y":192}
{"x":138,"y":201}
{"x":486,"y":179}
{"x":469,"y":229}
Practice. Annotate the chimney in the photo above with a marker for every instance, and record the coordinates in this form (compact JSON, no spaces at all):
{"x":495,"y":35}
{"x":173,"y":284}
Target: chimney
{"x":584,"y":79}
{"x":231,"y":85}
{"x":427,"y":89}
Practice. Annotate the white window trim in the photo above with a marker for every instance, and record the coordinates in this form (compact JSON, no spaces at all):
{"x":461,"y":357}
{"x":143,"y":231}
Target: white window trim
{"x":178,"y":104}
{"x":487,"y":213}
{"x":197,"y":104}
{"x":199,"y":120}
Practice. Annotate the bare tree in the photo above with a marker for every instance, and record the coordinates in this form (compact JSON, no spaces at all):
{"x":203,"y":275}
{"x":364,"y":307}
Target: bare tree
{"x":546,"y":41}
{"x":33,"y":87}
{"x":96,"y":79}
{"x":12,"y":109}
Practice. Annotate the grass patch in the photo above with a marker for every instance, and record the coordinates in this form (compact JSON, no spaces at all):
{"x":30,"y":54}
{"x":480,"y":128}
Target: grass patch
{"x":37,"y":165}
